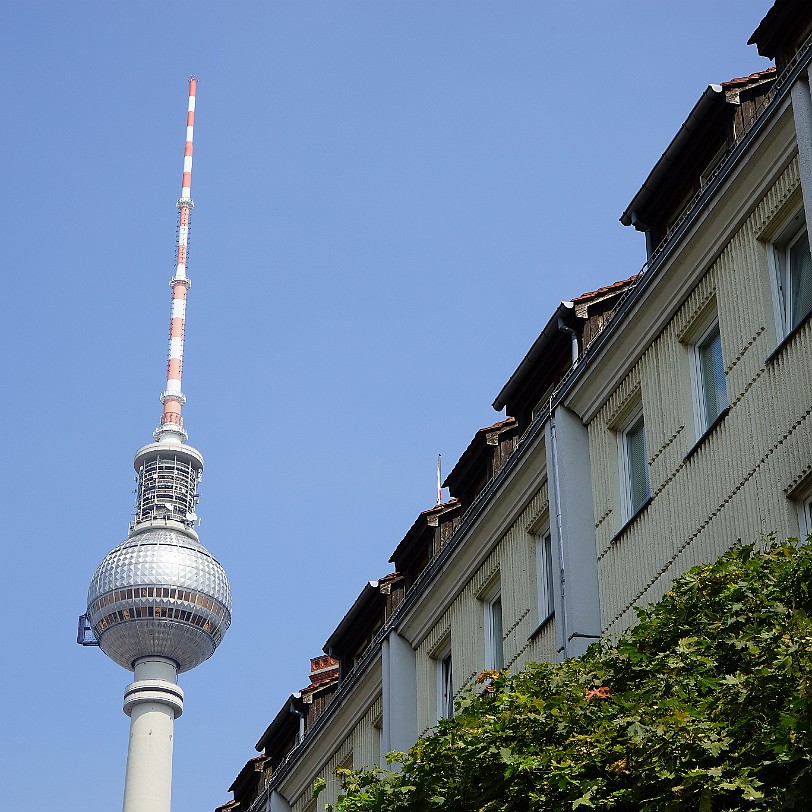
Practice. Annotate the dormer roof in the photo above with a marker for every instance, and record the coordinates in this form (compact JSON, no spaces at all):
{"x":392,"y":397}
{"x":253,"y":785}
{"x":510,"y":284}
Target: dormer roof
{"x":422,"y":525}
{"x":474,"y":454}
{"x":784,"y":27}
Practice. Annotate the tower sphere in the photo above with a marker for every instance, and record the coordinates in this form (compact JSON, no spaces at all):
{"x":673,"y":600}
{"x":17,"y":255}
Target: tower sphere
{"x":159,"y":593}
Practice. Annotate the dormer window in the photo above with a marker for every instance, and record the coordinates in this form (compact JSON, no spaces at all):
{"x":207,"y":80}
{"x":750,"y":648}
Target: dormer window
{"x":708,"y":173}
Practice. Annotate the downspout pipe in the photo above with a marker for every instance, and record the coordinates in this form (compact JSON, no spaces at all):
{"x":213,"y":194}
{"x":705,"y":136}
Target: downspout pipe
{"x":560,"y":531}
{"x":296,"y":712}
{"x":562,"y":580}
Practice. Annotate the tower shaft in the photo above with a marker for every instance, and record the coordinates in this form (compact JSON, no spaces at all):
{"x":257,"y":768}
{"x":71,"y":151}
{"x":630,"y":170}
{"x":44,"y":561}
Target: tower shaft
{"x":152,"y":702}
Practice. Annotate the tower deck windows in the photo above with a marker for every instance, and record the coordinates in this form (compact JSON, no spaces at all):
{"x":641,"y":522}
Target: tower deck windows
{"x":167,"y":489}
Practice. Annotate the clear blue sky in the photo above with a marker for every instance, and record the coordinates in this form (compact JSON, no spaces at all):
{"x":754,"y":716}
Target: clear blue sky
{"x":392,"y":197}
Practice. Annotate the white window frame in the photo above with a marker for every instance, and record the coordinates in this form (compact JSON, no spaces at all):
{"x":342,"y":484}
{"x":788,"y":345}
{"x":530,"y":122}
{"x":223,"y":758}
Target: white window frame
{"x":494,"y":631}
{"x":444,"y":663}
{"x":801,"y":498}
{"x":545,"y":575}
{"x":794,"y":230}
{"x":627,"y":509}
{"x":805,"y":517}
{"x":377,"y":740}
{"x":701,"y":421}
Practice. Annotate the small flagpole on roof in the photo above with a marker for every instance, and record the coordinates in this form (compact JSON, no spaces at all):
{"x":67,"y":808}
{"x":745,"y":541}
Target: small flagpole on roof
{"x":439,"y":482}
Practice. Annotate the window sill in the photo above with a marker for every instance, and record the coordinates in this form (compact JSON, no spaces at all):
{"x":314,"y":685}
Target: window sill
{"x":788,"y":338}
{"x":631,"y":520}
{"x":540,"y":628}
{"x":708,"y":431}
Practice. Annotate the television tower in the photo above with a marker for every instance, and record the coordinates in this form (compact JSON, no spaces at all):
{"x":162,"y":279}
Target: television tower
{"x":160,"y":603}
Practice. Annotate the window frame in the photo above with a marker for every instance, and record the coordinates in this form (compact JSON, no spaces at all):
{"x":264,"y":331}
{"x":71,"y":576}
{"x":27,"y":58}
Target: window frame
{"x":794,"y":229}
{"x":545,"y":575}
{"x":801,"y":498}
{"x":377,"y":739}
{"x":494,"y":630}
{"x":444,"y":665}
{"x":702,"y":421}
{"x":804,"y":516}
{"x":628,"y":510}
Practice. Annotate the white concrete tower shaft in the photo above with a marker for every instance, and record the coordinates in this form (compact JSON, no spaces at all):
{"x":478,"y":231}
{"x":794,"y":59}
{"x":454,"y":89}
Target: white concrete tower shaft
{"x":152,"y":701}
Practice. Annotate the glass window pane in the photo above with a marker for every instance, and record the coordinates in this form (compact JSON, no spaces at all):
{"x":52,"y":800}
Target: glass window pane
{"x":548,"y":555}
{"x":712,"y":370}
{"x":638,"y":466}
{"x":496,"y":634}
{"x":446,"y":691}
{"x":800,"y":280}
{"x":544,"y":575}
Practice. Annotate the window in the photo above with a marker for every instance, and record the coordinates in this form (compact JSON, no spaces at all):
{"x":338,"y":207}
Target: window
{"x":805,"y":518}
{"x":634,"y":483}
{"x":801,"y":497}
{"x":710,"y":170}
{"x":377,"y":739}
{"x":708,"y":378}
{"x":445,"y":690}
{"x":544,"y":575}
{"x":792,"y":266}
{"x":494,"y":648}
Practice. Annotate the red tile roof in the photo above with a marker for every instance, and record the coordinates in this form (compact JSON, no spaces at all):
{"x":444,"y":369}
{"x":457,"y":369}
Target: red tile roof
{"x":753,"y":77}
{"x":605,"y":289}
{"x":508,"y":421}
{"x":328,"y":680}
{"x":441,"y":506}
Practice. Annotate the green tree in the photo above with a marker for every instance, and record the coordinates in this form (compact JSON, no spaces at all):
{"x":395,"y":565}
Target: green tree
{"x":704,"y":705}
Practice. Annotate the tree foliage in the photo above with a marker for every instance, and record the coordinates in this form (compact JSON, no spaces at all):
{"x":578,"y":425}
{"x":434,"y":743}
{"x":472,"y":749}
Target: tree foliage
{"x":704,"y":705}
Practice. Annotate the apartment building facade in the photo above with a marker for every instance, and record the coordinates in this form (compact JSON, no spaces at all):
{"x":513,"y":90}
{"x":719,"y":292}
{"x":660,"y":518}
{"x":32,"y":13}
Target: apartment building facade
{"x":697,"y":396}
{"x":652,"y":424}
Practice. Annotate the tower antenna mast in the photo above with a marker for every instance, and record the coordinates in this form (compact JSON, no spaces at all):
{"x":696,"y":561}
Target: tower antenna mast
{"x":172,"y":398}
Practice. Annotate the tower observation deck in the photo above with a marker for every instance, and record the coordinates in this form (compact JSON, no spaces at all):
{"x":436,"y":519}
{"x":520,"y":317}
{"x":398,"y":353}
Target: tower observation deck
{"x":159,"y":603}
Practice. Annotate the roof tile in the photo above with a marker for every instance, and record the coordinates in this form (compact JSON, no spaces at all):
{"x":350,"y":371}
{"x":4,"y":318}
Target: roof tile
{"x":753,"y":77}
{"x":605,"y":289}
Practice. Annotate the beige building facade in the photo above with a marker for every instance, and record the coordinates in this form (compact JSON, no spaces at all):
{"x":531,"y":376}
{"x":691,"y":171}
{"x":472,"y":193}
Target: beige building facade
{"x":709,"y":485}
{"x":653,"y":424}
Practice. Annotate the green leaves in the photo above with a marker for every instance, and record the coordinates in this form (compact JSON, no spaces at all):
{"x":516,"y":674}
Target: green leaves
{"x":706,"y":704}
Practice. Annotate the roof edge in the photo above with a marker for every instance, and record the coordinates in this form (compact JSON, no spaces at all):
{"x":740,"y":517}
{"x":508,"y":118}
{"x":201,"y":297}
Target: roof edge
{"x":539,"y":345}
{"x":370,"y":588}
{"x":709,"y":98}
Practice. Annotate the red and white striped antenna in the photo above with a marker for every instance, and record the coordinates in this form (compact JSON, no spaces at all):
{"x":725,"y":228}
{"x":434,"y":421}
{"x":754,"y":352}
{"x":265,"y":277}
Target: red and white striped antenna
{"x":171,"y":428}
